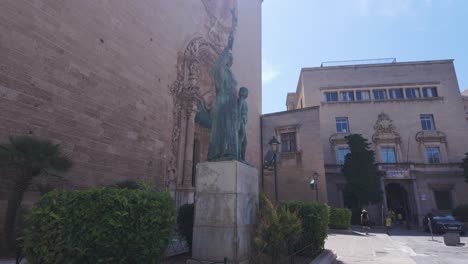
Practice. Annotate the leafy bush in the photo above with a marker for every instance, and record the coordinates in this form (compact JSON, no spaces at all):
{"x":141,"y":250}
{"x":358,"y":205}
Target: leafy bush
{"x":315,"y":220}
{"x":185,"y":218}
{"x":461,"y":213}
{"x":340,"y":218}
{"x":128,"y":184}
{"x":106,"y":225}
{"x":277,"y":229}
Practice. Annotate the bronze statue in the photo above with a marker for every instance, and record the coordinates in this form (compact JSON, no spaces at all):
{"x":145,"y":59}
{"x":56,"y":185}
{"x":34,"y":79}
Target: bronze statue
{"x":224,"y":140}
{"x":243,"y":118}
{"x":228,"y":138}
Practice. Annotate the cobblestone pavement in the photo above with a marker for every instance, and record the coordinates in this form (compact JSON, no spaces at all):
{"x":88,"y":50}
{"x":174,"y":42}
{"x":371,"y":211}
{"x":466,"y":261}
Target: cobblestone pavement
{"x":402,"y":246}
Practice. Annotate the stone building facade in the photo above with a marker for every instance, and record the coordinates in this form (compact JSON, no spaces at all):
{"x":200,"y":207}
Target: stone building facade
{"x":300,"y":155}
{"x":411,"y":112}
{"x":119,"y":84}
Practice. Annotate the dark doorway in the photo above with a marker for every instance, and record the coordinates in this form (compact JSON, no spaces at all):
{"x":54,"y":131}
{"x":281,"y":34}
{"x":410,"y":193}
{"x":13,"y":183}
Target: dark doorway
{"x":397,"y":200}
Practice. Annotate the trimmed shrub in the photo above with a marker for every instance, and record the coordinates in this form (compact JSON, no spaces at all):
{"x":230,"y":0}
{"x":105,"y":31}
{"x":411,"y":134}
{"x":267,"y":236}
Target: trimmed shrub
{"x":106,"y":225}
{"x":340,"y":218}
{"x":315,"y":220}
{"x":461,"y":213}
{"x":128,"y":184}
{"x":185,"y":218}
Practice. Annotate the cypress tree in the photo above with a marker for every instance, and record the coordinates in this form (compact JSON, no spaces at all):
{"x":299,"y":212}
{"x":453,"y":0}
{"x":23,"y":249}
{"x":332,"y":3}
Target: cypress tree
{"x":361,"y":173}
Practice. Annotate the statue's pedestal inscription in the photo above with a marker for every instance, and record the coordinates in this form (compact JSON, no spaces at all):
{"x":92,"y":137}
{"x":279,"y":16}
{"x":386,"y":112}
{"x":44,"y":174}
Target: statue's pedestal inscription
{"x":226,"y":203}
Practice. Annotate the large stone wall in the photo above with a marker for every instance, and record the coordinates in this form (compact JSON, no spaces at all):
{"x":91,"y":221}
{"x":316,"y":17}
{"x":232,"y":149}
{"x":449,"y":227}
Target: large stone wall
{"x":96,"y":77}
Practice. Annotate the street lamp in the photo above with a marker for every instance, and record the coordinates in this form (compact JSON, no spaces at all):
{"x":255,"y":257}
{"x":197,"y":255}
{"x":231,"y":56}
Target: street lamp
{"x":274,"y":144}
{"x":314,"y":184}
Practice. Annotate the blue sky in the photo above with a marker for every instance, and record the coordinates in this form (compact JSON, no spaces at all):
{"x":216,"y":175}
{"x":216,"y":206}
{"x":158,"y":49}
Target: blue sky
{"x":305,"y":33}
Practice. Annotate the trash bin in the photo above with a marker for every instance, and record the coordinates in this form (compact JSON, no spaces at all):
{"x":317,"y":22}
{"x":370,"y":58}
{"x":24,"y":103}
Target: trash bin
{"x":452,"y":238}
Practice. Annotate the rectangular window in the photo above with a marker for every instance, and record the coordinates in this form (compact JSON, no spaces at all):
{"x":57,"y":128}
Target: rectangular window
{"x":427,"y":122}
{"x":341,"y":153}
{"x":380,"y":94}
{"x":342,"y":125}
{"x":443,"y":200}
{"x":412,"y":93}
{"x":430,"y":92}
{"x":396,"y":93}
{"x":362,"y":95}
{"x":331,"y":96}
{"x":347,"y":96}
{"x":288,"y":142}
{"x":387,"y":155}
{"x":433,"y":155}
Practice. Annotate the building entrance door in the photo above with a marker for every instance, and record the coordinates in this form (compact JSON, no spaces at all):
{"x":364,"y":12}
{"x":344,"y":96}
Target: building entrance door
{"x":398,"y":201}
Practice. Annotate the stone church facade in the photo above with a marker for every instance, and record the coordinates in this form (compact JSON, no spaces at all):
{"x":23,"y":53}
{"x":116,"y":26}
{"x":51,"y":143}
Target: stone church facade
{"x":413,"y":115}
{"x":119,"y":84}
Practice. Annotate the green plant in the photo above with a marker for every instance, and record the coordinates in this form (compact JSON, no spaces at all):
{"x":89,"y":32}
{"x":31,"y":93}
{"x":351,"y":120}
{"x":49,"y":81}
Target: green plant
{"x":315,"y":220}
{"x":128,"y":184}
{"x":340,"y":218}
{"x":461,"y":213}
{"x":29,"y":157}
{"x":185,"y":218}
{"x":277,"y":229}
{"x":361,"y":173}
{"x":106,"y":225}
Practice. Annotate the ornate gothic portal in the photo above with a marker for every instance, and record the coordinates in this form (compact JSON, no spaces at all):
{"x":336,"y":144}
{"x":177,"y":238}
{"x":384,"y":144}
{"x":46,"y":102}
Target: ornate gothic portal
{"x":193,"y":98}
{"x":192,"y":93}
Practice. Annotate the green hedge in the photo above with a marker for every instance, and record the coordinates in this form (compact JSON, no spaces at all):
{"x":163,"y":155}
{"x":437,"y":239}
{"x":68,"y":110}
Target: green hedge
{"x":185,"y":218}
{"x":461,"y":213}
{"x":99,"y":226}
{"x":340,"y":218}
{"x":315,"y":220}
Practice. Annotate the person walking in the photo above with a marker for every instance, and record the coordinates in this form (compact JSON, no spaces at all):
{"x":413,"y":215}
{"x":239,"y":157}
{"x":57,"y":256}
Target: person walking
{"x":400,"y":218}
{"x":365,"y":221}
{"x":388,"y":223}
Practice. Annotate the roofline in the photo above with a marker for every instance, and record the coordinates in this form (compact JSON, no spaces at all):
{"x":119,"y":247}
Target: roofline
{"x":292,"y":111}
{"x":376,"y":65}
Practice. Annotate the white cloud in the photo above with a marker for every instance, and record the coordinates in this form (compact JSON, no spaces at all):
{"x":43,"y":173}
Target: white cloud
{"x":269,"y":72}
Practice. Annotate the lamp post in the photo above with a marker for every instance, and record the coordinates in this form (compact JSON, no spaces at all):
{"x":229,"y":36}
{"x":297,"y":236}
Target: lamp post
{"x":314,"y":184}
{"x":274,"y":144}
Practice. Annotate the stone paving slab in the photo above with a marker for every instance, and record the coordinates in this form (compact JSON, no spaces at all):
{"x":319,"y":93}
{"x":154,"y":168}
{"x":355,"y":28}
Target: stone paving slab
{"x":402,"y":246}
{"x":374,"y":248}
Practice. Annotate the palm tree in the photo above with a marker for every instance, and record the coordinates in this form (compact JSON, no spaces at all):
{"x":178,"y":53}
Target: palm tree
{"x":29,"y":157}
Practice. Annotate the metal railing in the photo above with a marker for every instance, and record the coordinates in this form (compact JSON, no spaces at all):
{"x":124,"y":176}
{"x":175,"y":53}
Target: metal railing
{"x":357,"y":62}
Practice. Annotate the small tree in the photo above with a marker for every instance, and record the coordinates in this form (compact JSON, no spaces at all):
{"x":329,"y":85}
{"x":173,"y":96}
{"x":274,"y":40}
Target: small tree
{"x":464,"y":166}
{"x":361,"y":173}
{"x":29,"y":157}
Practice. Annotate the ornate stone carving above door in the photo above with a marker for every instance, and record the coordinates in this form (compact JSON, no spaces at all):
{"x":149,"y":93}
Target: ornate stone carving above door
{"x":385,"y":131}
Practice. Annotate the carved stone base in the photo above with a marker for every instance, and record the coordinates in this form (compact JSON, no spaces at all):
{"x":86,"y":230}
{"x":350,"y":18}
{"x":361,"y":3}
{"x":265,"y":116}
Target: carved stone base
{"x":226,"y":203}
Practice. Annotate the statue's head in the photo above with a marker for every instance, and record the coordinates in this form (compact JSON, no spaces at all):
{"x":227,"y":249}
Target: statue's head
{"x":243,"y":92}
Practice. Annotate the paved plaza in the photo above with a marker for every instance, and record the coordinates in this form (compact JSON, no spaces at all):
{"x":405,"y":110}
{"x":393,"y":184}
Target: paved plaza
{"x":402,"y":247}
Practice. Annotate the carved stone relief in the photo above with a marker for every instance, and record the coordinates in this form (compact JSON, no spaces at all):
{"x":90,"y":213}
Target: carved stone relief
{"x":194,"y":85}
{"x":385,"y":131}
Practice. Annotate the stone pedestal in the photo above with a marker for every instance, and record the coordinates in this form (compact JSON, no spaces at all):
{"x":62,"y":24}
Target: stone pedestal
{"x":226,"y":202}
